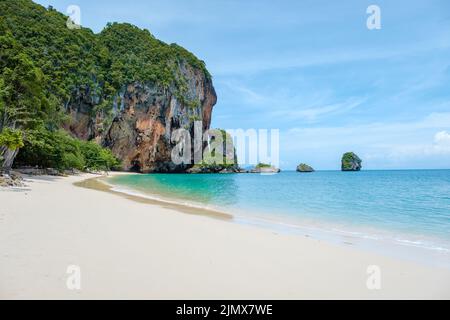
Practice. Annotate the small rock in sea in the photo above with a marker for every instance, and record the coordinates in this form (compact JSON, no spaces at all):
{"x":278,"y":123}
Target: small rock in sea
{"x":351,"y":162}
{"x":265,"y":168}
{"x":304,"y":168}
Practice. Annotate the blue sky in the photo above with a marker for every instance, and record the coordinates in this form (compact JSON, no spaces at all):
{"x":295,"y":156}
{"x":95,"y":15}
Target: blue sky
{"x":313,"y":70}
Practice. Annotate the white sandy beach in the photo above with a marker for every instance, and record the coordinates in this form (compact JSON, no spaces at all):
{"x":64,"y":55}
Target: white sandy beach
{"x":136,"y":250}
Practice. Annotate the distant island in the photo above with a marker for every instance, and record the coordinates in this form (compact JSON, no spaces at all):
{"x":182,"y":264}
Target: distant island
{"x":304,"y":168}
{"x":265,"y":168}
{"x":351,"y":162}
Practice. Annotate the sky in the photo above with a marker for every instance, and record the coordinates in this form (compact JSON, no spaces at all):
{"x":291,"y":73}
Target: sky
{"x":313,"y":70}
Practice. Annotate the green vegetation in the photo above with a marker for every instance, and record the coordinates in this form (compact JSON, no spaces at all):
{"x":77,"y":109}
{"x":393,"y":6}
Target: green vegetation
{"x":228,"y":159}
{"x":59,"y":150}
{"x":351,"y":162}
{"x":193,"y":104}
{"x":100,"y":64}
{"x":11,"y":139}
{"x":263,"y":165}
{"x":303,"y":167}
{"x":44,"y":66}
{"x":144,"y":59}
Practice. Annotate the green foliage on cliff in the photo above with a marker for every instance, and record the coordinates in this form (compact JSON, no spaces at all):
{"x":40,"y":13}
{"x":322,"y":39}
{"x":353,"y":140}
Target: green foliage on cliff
{"x":24,"y":102}
{"x":67,"y":57}
{"x":143,"y":59}
{"x":44,"y":66}
{"x":98,"y":63}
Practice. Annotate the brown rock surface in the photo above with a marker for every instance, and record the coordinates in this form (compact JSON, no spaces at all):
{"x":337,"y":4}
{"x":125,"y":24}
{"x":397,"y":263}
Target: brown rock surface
{"x":140,"y":131}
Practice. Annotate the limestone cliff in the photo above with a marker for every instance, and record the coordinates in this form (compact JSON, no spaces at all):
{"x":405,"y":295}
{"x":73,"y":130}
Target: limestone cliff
{"x":144,"y":117}
{"x":122,"y":87}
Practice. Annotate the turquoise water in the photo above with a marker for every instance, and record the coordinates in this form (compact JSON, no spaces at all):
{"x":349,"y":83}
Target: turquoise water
{"x":409,"y":207}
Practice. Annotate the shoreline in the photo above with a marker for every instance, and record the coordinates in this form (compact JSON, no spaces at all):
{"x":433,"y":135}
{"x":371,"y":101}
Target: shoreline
{"x":397,"y":248}
{"x":141,"y":250}
{"x":96,"y":183}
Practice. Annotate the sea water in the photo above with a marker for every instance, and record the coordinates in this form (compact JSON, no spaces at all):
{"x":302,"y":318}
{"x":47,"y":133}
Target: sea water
{"x":404,"y":212}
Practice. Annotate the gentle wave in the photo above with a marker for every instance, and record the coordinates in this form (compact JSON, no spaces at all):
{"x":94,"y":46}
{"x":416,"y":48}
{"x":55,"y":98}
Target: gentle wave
{"x":158,"y":198}
{"x":254,"y":220}
{"x":403,"y":209}
{"x":339,"y":232}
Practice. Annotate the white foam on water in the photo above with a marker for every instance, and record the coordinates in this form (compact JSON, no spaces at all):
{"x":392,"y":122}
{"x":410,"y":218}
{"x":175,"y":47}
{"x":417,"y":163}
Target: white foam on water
{"x":159,"y":198}
{"x":425,"y":250}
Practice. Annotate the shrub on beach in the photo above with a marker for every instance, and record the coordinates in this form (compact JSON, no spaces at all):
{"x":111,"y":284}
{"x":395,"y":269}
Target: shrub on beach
{"x":57,"y":149}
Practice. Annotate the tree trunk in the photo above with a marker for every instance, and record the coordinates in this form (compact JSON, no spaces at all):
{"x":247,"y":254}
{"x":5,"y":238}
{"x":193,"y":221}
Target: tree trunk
{"x":7,"y":157}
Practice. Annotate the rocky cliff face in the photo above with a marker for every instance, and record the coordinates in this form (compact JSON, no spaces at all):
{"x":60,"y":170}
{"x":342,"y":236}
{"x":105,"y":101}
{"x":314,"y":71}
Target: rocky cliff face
{"x":122,"y":87}
{"x":143,"y":117}
{"x":351,"y":162}
{"x":304,"y":168}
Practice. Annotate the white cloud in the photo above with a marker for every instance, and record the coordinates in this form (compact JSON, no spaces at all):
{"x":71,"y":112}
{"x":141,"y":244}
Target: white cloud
{"x":442,"y":138}
{"x":434,"y":120}
{"x":250,"y":96}
{"x":324,"y":57}
{"x":307,"y":106}
{"x":312,"y":114}
{"x":441,"y":143}
{"x":421,"y":143}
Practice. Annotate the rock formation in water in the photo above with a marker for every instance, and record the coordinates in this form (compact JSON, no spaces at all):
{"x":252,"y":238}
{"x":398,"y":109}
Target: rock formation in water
{"x":265,"y":168}
{"x":221,"y":143}
{"x":304,"y":168}
{"x":351,"y":162}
